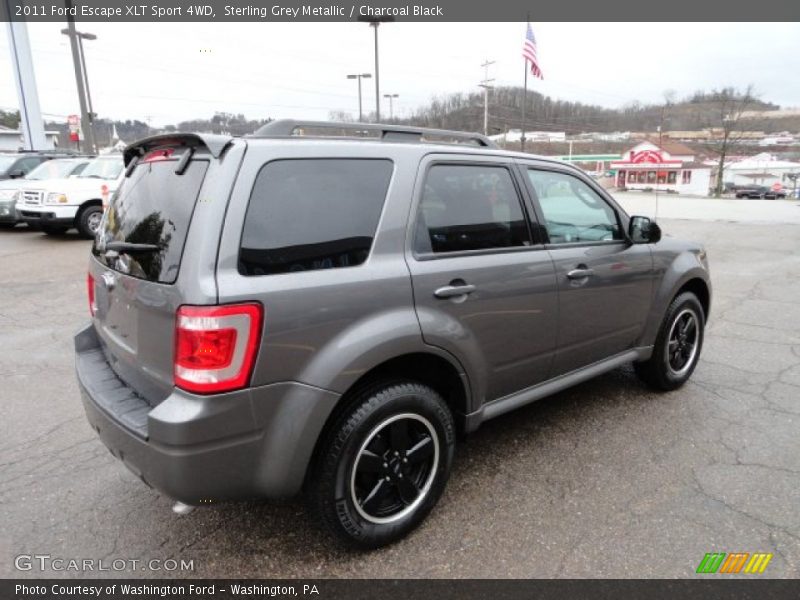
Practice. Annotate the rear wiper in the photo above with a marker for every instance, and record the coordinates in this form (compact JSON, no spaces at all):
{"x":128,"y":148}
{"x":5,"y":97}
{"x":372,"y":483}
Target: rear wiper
{"x":130,"y":248}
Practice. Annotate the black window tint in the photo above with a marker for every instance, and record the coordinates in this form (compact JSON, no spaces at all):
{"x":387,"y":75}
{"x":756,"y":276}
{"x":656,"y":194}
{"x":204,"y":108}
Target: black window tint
{"x":153,"y":205}
{"x":573,"y":211}
{"x":313,"y":214}
{"x":469,"y":207}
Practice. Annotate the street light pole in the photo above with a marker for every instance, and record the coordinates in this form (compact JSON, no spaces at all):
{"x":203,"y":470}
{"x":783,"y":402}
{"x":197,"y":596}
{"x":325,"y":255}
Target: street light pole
{"x":360,"y":76}
{"x":375,"y":25}
{"x":80,"y":78}
{"x":391,"y":98}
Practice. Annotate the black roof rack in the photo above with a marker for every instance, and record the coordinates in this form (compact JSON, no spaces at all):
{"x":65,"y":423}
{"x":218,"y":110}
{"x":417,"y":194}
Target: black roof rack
{"x":389,"y":133}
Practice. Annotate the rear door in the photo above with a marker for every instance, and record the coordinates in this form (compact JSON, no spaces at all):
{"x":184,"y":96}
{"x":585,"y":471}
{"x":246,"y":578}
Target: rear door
{"x":484,"y":285}
{"x":137,"y":292}
{"x":604,"y":282}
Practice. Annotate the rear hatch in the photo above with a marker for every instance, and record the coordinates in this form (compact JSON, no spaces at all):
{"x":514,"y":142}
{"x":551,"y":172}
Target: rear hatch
{"x":138,"y":255}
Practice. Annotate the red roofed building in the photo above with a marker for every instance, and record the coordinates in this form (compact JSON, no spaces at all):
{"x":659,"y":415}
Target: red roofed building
{"x":667,"y":165}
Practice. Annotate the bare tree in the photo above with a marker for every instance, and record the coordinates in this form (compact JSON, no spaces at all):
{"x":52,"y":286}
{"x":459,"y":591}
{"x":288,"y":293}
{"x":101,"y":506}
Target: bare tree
{"x":342,"y":116}
{"x":725,"y":115}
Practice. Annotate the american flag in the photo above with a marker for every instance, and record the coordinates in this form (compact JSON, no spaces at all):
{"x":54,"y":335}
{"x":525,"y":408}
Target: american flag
{"x":529,"y":53}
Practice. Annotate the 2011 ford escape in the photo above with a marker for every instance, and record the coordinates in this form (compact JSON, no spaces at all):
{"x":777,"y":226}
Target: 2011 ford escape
{"x":303,"y":310}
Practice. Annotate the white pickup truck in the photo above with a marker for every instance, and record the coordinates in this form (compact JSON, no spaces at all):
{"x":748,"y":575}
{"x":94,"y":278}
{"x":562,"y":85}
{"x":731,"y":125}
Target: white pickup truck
{"x":56,"y":205}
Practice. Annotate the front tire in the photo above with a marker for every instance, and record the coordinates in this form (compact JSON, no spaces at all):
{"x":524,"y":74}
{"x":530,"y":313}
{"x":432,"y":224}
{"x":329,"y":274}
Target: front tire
{"x":383,"y":464}
{"x":677,"y":347}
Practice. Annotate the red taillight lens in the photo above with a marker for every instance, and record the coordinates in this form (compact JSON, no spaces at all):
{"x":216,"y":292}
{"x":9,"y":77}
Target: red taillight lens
{"x":215,"y":346}
{"x":90,"y":293}
{"x":158,"y":155}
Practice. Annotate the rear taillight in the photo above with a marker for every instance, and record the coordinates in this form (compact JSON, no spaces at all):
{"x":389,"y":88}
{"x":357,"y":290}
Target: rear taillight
{"x":90,"y":293}
{"x":215,"y":346}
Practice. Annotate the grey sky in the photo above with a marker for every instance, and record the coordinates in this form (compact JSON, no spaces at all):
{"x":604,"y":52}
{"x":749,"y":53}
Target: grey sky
{"x":173,"y":72}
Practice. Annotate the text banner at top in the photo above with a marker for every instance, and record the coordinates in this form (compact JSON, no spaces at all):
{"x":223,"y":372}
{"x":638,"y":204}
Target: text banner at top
{"x":441,"y":10}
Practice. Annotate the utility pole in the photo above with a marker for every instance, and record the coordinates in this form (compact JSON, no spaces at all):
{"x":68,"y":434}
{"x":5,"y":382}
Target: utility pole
{"x":87,"y":117}
{"x":360,"y":76}
{"x":391,"y":97}
{"x":486,"y":85}
{"x":31,"y":124}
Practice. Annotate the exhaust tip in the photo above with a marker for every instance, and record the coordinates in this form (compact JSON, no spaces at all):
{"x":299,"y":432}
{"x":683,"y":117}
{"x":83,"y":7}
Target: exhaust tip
{"x":179,"y":508}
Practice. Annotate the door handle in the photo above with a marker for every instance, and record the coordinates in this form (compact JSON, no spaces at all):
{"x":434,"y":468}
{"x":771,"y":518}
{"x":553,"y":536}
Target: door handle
{"x":580,"y":273}
{"x":451,"y":291}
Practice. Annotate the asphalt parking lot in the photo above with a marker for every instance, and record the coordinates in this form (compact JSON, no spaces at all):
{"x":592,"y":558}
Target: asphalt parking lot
{"x":604,"y":480}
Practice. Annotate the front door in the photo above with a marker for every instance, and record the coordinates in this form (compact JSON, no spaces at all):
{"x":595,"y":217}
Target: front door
{"x":604,"y":282}
{"x":484,"y":287}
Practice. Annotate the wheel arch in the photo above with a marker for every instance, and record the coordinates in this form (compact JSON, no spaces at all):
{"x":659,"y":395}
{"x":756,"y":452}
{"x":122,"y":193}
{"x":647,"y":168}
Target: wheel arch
{"x":699,"y":288}
{"x":685,"y":273}
{"x":86,"y":204}
{"x":427,"y":367}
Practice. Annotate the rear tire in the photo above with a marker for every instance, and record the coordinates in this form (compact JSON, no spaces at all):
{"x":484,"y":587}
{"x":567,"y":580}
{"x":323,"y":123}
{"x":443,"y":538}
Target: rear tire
{"x":678,"y":345}
{"x":383,"y":464}
{"x":89,"y":220}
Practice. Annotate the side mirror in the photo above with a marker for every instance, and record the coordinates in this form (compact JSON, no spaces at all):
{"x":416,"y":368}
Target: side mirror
{"x":643,"y":230}
{"x":16,"y":174}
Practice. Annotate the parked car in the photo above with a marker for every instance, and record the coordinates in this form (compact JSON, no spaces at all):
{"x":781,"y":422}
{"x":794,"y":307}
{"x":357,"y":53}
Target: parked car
{"x":282,"y":313}
{"x":57,"y":205}
{"x":758,"y":191}
{"x":52,"y":169}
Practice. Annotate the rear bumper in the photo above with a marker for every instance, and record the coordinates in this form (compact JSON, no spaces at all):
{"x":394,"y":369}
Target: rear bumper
{"x":250,"y":443}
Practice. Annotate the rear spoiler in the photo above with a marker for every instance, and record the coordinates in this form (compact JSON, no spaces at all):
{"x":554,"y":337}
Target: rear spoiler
{"x":215,"y":144}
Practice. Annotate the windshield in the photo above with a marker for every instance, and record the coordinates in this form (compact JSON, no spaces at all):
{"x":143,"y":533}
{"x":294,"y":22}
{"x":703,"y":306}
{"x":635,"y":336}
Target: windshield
{"x":103,"y":168}
{"x":53,"y":169}
{"x":6,"y":161}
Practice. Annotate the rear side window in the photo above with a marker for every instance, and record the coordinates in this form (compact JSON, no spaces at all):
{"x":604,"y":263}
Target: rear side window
{"x":469,"y":207}
{"x":153,"y":205}
{"x":311,"y":214}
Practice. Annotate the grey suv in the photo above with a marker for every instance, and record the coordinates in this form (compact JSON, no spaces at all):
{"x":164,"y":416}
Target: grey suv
{"x":323,"y":307}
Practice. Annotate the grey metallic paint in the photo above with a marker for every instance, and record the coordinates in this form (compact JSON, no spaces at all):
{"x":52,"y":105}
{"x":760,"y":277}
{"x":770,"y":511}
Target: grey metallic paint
{"x":524,"y":333}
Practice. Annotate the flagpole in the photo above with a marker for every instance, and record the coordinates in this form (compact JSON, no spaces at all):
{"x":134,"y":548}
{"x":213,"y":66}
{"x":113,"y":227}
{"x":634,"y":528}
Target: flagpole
{"x":524,"y":102}
{"x":524,"y":90}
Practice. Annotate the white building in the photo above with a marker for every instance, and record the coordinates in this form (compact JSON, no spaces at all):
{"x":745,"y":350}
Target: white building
{"x":515,"y":135}
{"x":11,"y":139}
{"x":667,"y":166}
{"x":761,"y":169}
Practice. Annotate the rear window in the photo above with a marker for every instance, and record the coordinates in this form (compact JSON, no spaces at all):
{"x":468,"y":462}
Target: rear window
{"x":152,"y":206}
{"x":313,"y":214}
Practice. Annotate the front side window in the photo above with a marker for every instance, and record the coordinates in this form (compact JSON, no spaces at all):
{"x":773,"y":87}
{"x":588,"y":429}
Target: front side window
{"x":573,"y":211}
{"x":469,"y":207}
{"x":311,"y":214}
{"x":27,"y":164}
{"x":104,"y":168}
{"x":54,"y":169}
